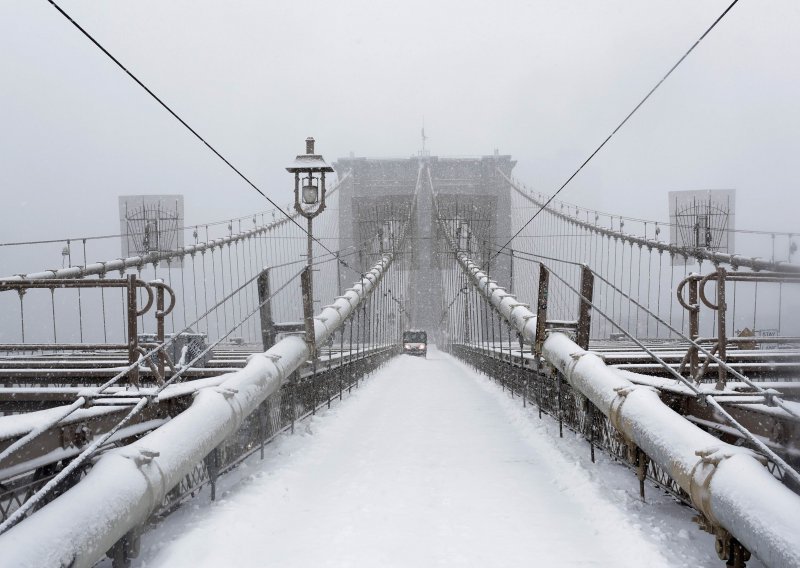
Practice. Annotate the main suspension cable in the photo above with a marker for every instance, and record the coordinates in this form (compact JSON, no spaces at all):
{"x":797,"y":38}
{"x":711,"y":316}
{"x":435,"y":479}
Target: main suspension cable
{"x":621,"y":124}
{"x":186,"y":125}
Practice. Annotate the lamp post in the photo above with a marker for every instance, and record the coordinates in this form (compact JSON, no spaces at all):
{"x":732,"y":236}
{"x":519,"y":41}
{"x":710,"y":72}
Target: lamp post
{"x":309,"y":171}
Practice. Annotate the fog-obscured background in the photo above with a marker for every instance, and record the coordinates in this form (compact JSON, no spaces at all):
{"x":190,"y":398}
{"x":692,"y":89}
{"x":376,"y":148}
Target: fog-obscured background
{"x":544,"y":81}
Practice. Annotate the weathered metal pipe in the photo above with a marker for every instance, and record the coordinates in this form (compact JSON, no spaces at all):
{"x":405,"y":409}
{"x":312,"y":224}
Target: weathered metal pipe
{"x":728,"y":484}
{"x":126,"y":485}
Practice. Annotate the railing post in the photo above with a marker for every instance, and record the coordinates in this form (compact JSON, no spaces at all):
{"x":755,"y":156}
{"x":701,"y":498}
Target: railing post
{"x":585,"y":308}
{"x":294,"y":379}
{"x":340,"y":368}
{"x":541,"y":311}
{"x":467,"y":330}
{"x":338,"y":275}
{"x":308,"y":310}
{"x":133,"y":339}
{"x":558,"y":400}
{"x":694,"y":327}
{"x":511,"y":273}
{"x":160,"y":330}
{"x":262,"y":425}
{"x":124,"y":549}
{"x":265,"y":310}
{"x":213,"y":466}
{"x":722,"y":338}
{"x":591,"y":412}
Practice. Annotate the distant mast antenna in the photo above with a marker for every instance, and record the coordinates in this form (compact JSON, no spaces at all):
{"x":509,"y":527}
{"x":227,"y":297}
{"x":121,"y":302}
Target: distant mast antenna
{"x":424,"y":138}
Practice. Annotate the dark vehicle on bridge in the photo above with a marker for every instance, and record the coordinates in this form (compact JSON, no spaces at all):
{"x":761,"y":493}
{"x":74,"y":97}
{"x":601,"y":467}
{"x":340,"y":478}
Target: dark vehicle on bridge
{"x":415,"y":342}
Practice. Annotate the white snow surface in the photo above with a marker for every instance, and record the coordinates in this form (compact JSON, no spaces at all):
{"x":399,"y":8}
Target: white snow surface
{"x":429,"y":464}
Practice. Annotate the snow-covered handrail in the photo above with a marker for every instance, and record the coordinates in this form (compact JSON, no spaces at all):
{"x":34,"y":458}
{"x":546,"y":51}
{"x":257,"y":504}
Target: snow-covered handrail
{"x":126,"y":485}
{"x":728,"y":484}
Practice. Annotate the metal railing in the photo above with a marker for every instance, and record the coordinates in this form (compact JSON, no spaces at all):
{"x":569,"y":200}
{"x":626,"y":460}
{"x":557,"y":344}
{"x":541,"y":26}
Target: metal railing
{"x":490,"y":328}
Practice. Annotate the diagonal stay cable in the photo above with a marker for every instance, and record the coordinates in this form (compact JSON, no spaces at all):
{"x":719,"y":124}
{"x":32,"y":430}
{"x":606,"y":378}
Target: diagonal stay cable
{"x":90,"y":450}
{"x":20,"y":513}
{"x":621,"y":124}
{"x":80,"y":402}
{"x":186,"y":125}
{"x":706,"y":396}
{"x":710,"y":354}
{"x":770,"y":394}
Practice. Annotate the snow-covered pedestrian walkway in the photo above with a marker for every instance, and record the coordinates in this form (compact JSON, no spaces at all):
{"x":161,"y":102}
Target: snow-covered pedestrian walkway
{"x":428,"y":464}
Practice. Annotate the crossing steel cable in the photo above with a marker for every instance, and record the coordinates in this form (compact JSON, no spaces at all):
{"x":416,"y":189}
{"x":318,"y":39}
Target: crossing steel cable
{"x":81,"y":401}
{"x":189,"y":128}
{"x":335,"y":257}
{"x":709,"y":398}
{"x":778,"y":401}
{"x":20,"y":513}
{"x":621,"y":124}
{"x":656,"y":316}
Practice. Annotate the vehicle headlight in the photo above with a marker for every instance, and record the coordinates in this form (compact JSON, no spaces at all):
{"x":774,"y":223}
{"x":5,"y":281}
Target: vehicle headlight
{"x":407,"y":346}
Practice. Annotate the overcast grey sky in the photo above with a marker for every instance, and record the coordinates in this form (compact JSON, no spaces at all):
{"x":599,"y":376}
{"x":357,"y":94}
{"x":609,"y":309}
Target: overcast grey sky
{"x":545,"y":81}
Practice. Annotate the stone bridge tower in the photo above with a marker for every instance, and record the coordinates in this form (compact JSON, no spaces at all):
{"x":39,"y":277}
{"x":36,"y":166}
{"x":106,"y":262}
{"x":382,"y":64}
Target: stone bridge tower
{"x":470,"y":194}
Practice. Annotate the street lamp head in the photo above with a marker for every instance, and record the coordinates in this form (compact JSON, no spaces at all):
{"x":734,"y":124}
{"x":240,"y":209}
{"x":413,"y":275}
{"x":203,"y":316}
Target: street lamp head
{"x":310,"y":168}
{"x":310,"y":190}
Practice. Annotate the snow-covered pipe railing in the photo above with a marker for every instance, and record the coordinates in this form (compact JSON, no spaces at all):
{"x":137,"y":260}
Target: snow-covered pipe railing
{"x":125,"y":485}
{"x":728,"y":484}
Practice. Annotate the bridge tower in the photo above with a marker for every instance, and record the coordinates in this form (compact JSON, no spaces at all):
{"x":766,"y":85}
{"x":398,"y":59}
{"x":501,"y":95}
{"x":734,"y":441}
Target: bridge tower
{"x":379,"y":192}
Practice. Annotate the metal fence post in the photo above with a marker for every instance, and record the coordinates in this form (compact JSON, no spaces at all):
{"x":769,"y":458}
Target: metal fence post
{"x":560,"y":413}
{"x":722,"y":339}
{"x":511,"y":273}
{"x":213,"y":465}
{"x":133,"y":339}
{"x":585,"y":308}
{"x":308,"y":310}
{"x":265,"y":310}
{"x":541,"y":311}
{"x":160,"y":331}
{"x":694,"y":327}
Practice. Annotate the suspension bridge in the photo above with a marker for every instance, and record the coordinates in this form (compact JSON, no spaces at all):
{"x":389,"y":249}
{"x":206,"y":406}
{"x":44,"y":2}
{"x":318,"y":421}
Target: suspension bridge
{"x":132,"y":387}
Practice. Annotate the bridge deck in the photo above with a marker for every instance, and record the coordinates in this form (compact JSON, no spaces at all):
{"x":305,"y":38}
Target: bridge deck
{"x":430,"y":464}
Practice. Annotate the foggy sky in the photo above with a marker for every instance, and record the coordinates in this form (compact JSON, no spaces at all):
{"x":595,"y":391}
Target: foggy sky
{"x":543,"y":81}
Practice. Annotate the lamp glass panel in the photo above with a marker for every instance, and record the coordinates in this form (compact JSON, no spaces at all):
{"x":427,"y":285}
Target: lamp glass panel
{"x":310,"y":191}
